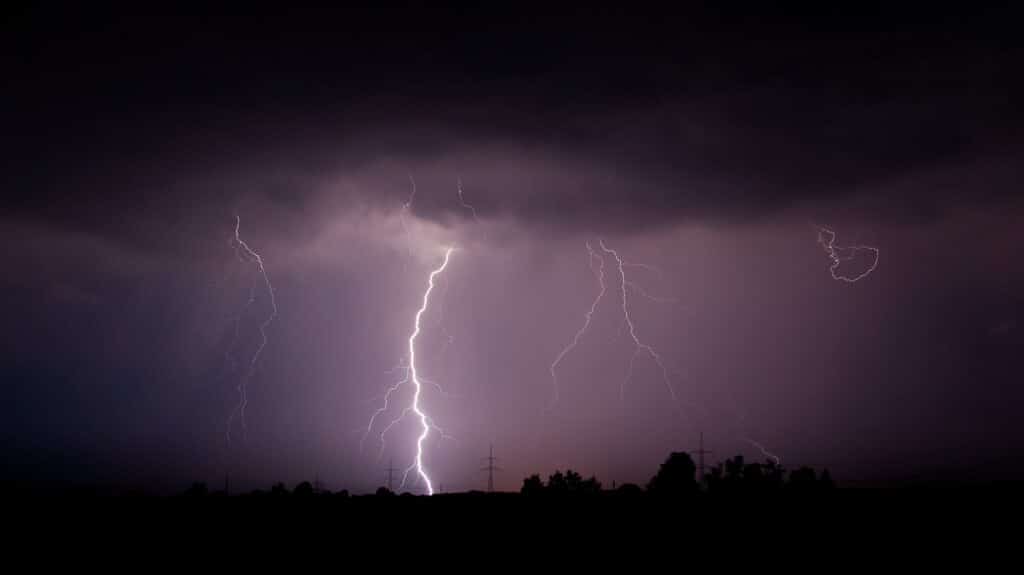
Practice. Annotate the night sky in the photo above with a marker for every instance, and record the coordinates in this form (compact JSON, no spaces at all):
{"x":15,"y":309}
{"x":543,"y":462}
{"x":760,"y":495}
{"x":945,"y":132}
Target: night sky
{"x":707,"y":144}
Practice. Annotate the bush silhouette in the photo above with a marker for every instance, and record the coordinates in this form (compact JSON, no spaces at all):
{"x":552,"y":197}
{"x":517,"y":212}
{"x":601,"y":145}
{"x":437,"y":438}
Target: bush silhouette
{"x":532,"y":485}
{"x":677,"y":476}
{"x":197,"y":490}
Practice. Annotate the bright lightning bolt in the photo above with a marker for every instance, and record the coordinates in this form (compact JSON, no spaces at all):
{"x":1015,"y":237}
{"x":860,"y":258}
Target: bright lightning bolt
{"x":417,"y":386}
{"x":253,"y":256}
{"x":640,"y":347}
{"x":839,"y":254}
{"x":412,"y":376}
{"x":599,"y":274}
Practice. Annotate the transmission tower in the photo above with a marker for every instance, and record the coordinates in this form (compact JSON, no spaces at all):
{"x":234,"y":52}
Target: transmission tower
{"x":490,"y":469}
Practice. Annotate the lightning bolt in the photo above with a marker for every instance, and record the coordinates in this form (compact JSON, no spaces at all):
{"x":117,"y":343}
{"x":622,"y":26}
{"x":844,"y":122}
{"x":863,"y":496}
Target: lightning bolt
{"x":462,"y":201}
{"x":252,"y":256}
{"x":655,"y":270}
{"x":383,"y":409}
{"x":625,"y":287}
{"x":839,"y":254}
{"x":640,"y":291}
{"x":413,"y":377}
{"x":763,"y":451}
{"x":599,"y":275}
{"x":640,"y":346}
{"x":386,"y":397}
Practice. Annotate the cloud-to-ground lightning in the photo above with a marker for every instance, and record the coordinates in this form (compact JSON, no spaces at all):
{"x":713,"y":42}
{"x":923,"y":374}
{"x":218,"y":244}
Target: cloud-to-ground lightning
{"x":412,"y":376}
{"x":403,"y":368}
{"x":588,"y":316}
{"x":839,"y":254}
{"x":625,"y":288}
{"x":625,"y":285}
{"x":641,"y":347}
{"x":251,"y":255}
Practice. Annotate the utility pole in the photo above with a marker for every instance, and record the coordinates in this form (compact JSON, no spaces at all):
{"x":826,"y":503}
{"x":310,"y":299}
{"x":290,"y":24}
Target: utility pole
{"x":390,"y":477}
{"x":700,"y":457}
{"x":490,"y":469}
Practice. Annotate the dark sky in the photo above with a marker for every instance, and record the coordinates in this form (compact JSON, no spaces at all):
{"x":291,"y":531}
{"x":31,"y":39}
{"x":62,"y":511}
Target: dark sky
{"x":708,"y":143}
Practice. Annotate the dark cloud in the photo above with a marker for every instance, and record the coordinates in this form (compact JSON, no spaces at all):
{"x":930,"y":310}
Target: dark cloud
{"x":605,"y":117}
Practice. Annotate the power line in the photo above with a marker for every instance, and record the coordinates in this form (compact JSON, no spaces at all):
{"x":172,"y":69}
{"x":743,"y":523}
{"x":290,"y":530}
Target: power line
{"x":490,"y":469}
{"x":390,"y":476}
{"x":700,"y":457}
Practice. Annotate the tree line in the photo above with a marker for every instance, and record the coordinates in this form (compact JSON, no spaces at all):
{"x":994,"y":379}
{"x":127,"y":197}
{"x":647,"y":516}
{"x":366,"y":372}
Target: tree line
{"x":677,"y":476}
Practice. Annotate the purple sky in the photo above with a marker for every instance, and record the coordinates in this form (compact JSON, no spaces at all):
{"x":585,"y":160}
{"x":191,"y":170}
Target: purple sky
{"x":713,"y":163}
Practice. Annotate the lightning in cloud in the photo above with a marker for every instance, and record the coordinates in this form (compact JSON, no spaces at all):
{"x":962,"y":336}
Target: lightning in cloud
{"x":640,"y":347}
{"x":839,"y":254}
{"x":625,"y":285}
{"x":462,"y":200}
{"x":406,"y":208}
{"x":413,"y":377}
{"x":249,"y":255}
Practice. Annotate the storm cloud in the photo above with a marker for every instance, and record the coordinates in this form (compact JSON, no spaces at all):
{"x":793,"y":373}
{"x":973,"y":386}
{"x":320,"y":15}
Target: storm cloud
{"x":706,"y":143}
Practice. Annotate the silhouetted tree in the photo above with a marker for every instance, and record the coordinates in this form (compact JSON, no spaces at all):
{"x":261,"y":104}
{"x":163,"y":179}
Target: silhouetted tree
{"x":736,"y":475}
{"x":557,"y":484}
{"x":384,"y":492}
{"x":734,"y":469}
{"x":304,"y":489}
{"x":677,"y":476}
{"x":629,"y":490}
{"x":590,"y":486}
{"x":762,"y":476}
{"x":773,"y":474}
{"x":532,"y":485}
{"x":573,"y":481}
{"x":279,"y":490}
{"x":803,"y":478}
{"x":197,"y":490}
{"x":343,"y":494}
